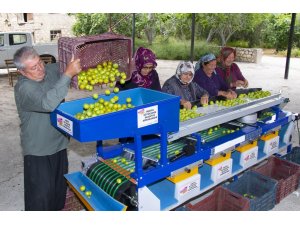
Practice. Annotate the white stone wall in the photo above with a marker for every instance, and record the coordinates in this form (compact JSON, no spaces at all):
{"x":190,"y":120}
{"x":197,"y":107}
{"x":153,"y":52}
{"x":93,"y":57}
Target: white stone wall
{"x":40,"y":26}
{"x":251,"y":55}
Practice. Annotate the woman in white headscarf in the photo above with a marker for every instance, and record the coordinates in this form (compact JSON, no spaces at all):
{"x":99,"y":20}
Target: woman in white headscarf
{"x":181,"y":84}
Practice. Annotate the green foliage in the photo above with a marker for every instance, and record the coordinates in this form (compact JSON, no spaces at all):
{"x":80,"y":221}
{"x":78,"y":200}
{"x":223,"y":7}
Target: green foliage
{"x":174,"y":49}
{"x":239,"y":43}
{"x":276,"y":33}
{"x":98,"y":23}
{"x":295,"y":52}
{"x":170,"y":33}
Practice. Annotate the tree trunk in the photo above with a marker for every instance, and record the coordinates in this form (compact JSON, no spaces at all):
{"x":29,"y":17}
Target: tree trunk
{"x":210,"y":35}
{"x":149,"y":31}
{"x":222,"y":36}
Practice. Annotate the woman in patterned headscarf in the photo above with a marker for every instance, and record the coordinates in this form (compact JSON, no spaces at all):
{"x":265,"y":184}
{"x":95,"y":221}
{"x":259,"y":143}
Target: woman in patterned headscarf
{"x":229,"y":70}
{"x":207,"y":78}
{"x":145,"y":74}
{"x":181,"y":84}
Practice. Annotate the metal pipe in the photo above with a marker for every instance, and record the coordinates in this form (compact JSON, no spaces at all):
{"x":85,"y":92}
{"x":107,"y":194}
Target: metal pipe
{"x":133,"y":33}
{"x":193,"y":37}
{"x":290,"y":44}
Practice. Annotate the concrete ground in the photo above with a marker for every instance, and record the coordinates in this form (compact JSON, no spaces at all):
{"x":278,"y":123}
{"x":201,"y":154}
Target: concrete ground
{"x":269,"y":74}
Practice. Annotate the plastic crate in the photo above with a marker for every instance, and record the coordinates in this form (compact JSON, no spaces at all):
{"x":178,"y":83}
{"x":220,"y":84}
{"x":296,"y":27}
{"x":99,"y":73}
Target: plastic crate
{"x":285,"y":172}
{"x":259,"y":190}
{"x":220,"y":200}
{"x":293,"y":156}
{"x":95,"y":49}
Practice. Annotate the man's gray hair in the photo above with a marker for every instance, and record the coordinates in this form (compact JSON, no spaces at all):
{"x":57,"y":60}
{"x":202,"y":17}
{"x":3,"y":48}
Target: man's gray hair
{"x":25,"y":52}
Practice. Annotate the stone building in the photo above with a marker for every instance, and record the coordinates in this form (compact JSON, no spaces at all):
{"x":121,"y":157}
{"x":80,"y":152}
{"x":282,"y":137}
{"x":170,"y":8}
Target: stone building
{"x":45,"y":27}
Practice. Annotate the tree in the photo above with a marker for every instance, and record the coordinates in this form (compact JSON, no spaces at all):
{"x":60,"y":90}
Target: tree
{"x":223,"y":25}
{"x":98,"y":23}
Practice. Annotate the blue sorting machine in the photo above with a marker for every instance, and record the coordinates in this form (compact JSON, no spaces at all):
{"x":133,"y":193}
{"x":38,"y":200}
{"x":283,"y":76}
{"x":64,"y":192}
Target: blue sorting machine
{"x":159,"y":163}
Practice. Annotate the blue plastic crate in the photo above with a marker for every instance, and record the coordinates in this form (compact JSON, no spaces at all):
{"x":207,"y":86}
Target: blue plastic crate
{"x":258,"y":189}
{"x":123,"y":123}
{"x":293,"y":156}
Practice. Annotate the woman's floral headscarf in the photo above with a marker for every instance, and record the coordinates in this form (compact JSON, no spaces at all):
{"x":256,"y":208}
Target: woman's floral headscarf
{"x":142,"y":57}
{"x":184,"y":67}
{"x":205,"y":58}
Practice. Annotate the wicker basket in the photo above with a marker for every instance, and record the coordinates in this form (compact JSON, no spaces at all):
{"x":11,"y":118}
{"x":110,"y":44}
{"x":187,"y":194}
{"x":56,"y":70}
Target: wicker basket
{"x":285,"y":172}
{"x":95,"y":49}
{"x":221,"y":200}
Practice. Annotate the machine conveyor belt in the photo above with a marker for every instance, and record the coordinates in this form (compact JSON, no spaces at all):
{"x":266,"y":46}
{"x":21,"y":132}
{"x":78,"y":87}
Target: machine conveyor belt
{"x":153,"y":151}
{"x":215,"y":115}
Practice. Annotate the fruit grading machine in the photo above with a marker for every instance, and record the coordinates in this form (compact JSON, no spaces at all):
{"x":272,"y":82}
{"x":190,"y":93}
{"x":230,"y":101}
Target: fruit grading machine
{"x":161,"y":163}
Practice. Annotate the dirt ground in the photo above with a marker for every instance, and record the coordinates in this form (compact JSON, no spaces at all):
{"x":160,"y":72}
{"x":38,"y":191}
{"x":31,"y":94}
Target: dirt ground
{"x":268,"y":75}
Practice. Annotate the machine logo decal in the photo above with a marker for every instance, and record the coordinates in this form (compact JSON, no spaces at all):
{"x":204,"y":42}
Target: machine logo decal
{"x":65,"y":124}
{"x":147,"y":116}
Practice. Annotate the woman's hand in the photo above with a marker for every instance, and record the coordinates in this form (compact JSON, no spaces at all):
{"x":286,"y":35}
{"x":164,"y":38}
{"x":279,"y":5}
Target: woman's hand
{"x":245,"y":84}
{"x":230,"y":94}
{"x":186,"y":104}
{"x":239,"y":83}
{"x":204,"y":100}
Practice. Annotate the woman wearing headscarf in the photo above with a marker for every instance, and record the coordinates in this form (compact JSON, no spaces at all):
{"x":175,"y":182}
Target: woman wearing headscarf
{"x":229,"y":70}
{"x":145,"y":74}
{"x":181,"y":84}
{"x":207,"y":78}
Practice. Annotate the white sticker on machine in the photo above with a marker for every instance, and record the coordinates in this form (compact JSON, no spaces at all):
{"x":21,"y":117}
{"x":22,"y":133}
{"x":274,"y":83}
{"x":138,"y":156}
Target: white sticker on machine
{"x":147,"y":116}
{"x":65,"y":124}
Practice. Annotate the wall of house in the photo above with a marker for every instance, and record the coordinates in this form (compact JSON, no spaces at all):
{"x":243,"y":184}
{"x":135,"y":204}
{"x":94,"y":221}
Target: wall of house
{"x":39,"y":24}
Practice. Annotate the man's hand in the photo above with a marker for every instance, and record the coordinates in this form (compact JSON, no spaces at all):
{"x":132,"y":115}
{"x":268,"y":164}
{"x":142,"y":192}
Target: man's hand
{"x":73,"y":68}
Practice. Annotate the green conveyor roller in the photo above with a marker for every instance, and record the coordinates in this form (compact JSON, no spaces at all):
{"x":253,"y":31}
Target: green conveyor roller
{"x":110,"y":180}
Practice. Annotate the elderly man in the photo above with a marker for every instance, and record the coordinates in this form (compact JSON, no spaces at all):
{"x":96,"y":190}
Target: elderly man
{"x":39,"y":90}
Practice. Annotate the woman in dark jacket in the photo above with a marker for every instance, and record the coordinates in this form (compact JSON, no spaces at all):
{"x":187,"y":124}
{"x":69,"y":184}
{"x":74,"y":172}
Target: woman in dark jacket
{"x":182,"y":84}
{"x":207,"y":78}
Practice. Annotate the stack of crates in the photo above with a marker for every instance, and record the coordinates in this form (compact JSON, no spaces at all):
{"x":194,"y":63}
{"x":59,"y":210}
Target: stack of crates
{"x":259,"y":190}
{"x":95,"y":49}
{"x":285,"y":172}
{"x":294,"y":157}
{"x":220,"y":200}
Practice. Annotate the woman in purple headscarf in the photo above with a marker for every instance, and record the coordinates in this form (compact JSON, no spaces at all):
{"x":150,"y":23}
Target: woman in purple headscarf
{"x":145,"y":74}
